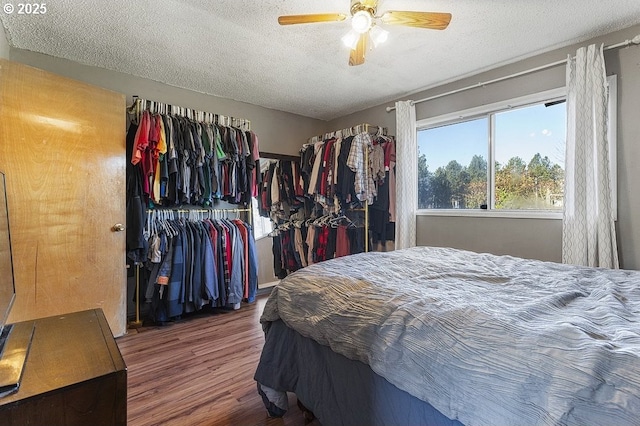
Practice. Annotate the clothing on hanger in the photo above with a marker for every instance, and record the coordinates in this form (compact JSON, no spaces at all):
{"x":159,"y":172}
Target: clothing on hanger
{"x":195,"y":263}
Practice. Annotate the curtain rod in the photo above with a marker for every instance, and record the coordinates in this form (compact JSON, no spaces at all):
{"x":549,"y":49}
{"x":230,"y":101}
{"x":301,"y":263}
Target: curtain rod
{"x":633,"y":41}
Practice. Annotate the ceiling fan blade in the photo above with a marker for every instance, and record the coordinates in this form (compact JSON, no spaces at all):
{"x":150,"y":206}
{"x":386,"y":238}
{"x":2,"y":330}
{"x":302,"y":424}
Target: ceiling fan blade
{"x":309,"y":19}
{"x":430,"y":20}
{"x":357,"y":55}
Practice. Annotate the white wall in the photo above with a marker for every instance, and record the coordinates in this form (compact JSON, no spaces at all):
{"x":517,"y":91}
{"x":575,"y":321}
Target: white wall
{"x":539,"y":239}
{"x":4,"y":44}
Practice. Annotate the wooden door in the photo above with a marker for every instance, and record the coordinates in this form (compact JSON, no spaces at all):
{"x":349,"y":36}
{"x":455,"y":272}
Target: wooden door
{"x":62,"y":148}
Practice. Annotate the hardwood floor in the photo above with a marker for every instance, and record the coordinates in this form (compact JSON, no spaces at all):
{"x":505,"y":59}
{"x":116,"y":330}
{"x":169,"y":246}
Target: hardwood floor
{"x":199,"y":371}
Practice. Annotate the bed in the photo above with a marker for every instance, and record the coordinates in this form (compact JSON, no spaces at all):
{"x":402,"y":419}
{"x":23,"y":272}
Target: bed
{"x":441,"y":336}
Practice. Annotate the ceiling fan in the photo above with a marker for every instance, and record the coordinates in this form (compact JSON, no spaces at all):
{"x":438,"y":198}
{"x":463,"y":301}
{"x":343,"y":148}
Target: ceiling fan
{"x":366,"y":27}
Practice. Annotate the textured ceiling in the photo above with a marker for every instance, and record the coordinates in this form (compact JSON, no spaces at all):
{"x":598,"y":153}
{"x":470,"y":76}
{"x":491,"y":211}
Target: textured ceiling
{"x":236,"y":49}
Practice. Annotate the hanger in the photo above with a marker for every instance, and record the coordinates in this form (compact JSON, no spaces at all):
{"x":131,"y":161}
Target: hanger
{"x":167,"y":222}
{"x":134,"y":110}
{"x":321,"y":220}
{"x":147,"y":226}
{"x":163,"y":223}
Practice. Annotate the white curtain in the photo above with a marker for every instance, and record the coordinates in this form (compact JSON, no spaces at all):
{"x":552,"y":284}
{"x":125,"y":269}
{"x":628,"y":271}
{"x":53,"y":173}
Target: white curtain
{"x":588,"y":229}
{"x":406,"y":175}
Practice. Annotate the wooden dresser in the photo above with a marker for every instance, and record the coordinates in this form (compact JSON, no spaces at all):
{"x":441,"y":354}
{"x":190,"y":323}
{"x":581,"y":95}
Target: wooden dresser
{"x":74,"y":375}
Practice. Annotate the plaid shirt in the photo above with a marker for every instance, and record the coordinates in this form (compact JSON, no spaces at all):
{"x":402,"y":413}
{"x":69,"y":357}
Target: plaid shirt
{"x":364,"y":186}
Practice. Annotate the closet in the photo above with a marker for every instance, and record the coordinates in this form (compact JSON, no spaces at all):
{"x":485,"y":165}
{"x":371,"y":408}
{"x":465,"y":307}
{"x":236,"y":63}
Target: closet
{"x":191,"y":157}
{"x":333,"y":200}
{"x":190,"y":179}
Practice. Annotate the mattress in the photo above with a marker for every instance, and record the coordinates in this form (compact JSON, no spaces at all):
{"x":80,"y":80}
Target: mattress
{"x":484,"y":339}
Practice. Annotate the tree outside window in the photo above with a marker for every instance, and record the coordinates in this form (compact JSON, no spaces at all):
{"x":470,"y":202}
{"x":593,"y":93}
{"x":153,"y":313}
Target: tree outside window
{"x":527,"y":159}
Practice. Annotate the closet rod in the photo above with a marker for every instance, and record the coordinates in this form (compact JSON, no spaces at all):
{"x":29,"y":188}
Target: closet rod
{"x":249,"y":212}
{"x":633,"y":41}
{"x":150,"y":211}
{"x":154,"y":107}
{"x":275,"y":156}
{"x":360,"y":128}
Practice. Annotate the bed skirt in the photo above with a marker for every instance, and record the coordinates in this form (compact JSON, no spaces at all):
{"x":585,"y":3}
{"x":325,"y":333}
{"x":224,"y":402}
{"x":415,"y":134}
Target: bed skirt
{"x":339,"y":391}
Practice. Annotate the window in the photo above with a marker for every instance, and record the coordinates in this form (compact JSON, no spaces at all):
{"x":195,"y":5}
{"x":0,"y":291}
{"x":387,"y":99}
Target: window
{"x":529,"y":157}
{"x":452,"y":165}
{"x":262,"y":226}
{"x":506,"y":156}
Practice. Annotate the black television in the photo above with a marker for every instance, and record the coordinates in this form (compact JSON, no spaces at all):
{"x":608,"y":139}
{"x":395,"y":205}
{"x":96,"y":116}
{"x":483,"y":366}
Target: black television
{"x":15,"y":339}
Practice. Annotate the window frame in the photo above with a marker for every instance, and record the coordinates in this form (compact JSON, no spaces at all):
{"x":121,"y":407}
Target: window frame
{"x":488,"y":111}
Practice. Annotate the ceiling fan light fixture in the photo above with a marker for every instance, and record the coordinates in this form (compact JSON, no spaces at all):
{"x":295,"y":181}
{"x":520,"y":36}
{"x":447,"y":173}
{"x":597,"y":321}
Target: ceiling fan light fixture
{"x":378,"y":35}
{"x":350,"y":39}
{"x":361,"y":21}
{"x":366,"y":33}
